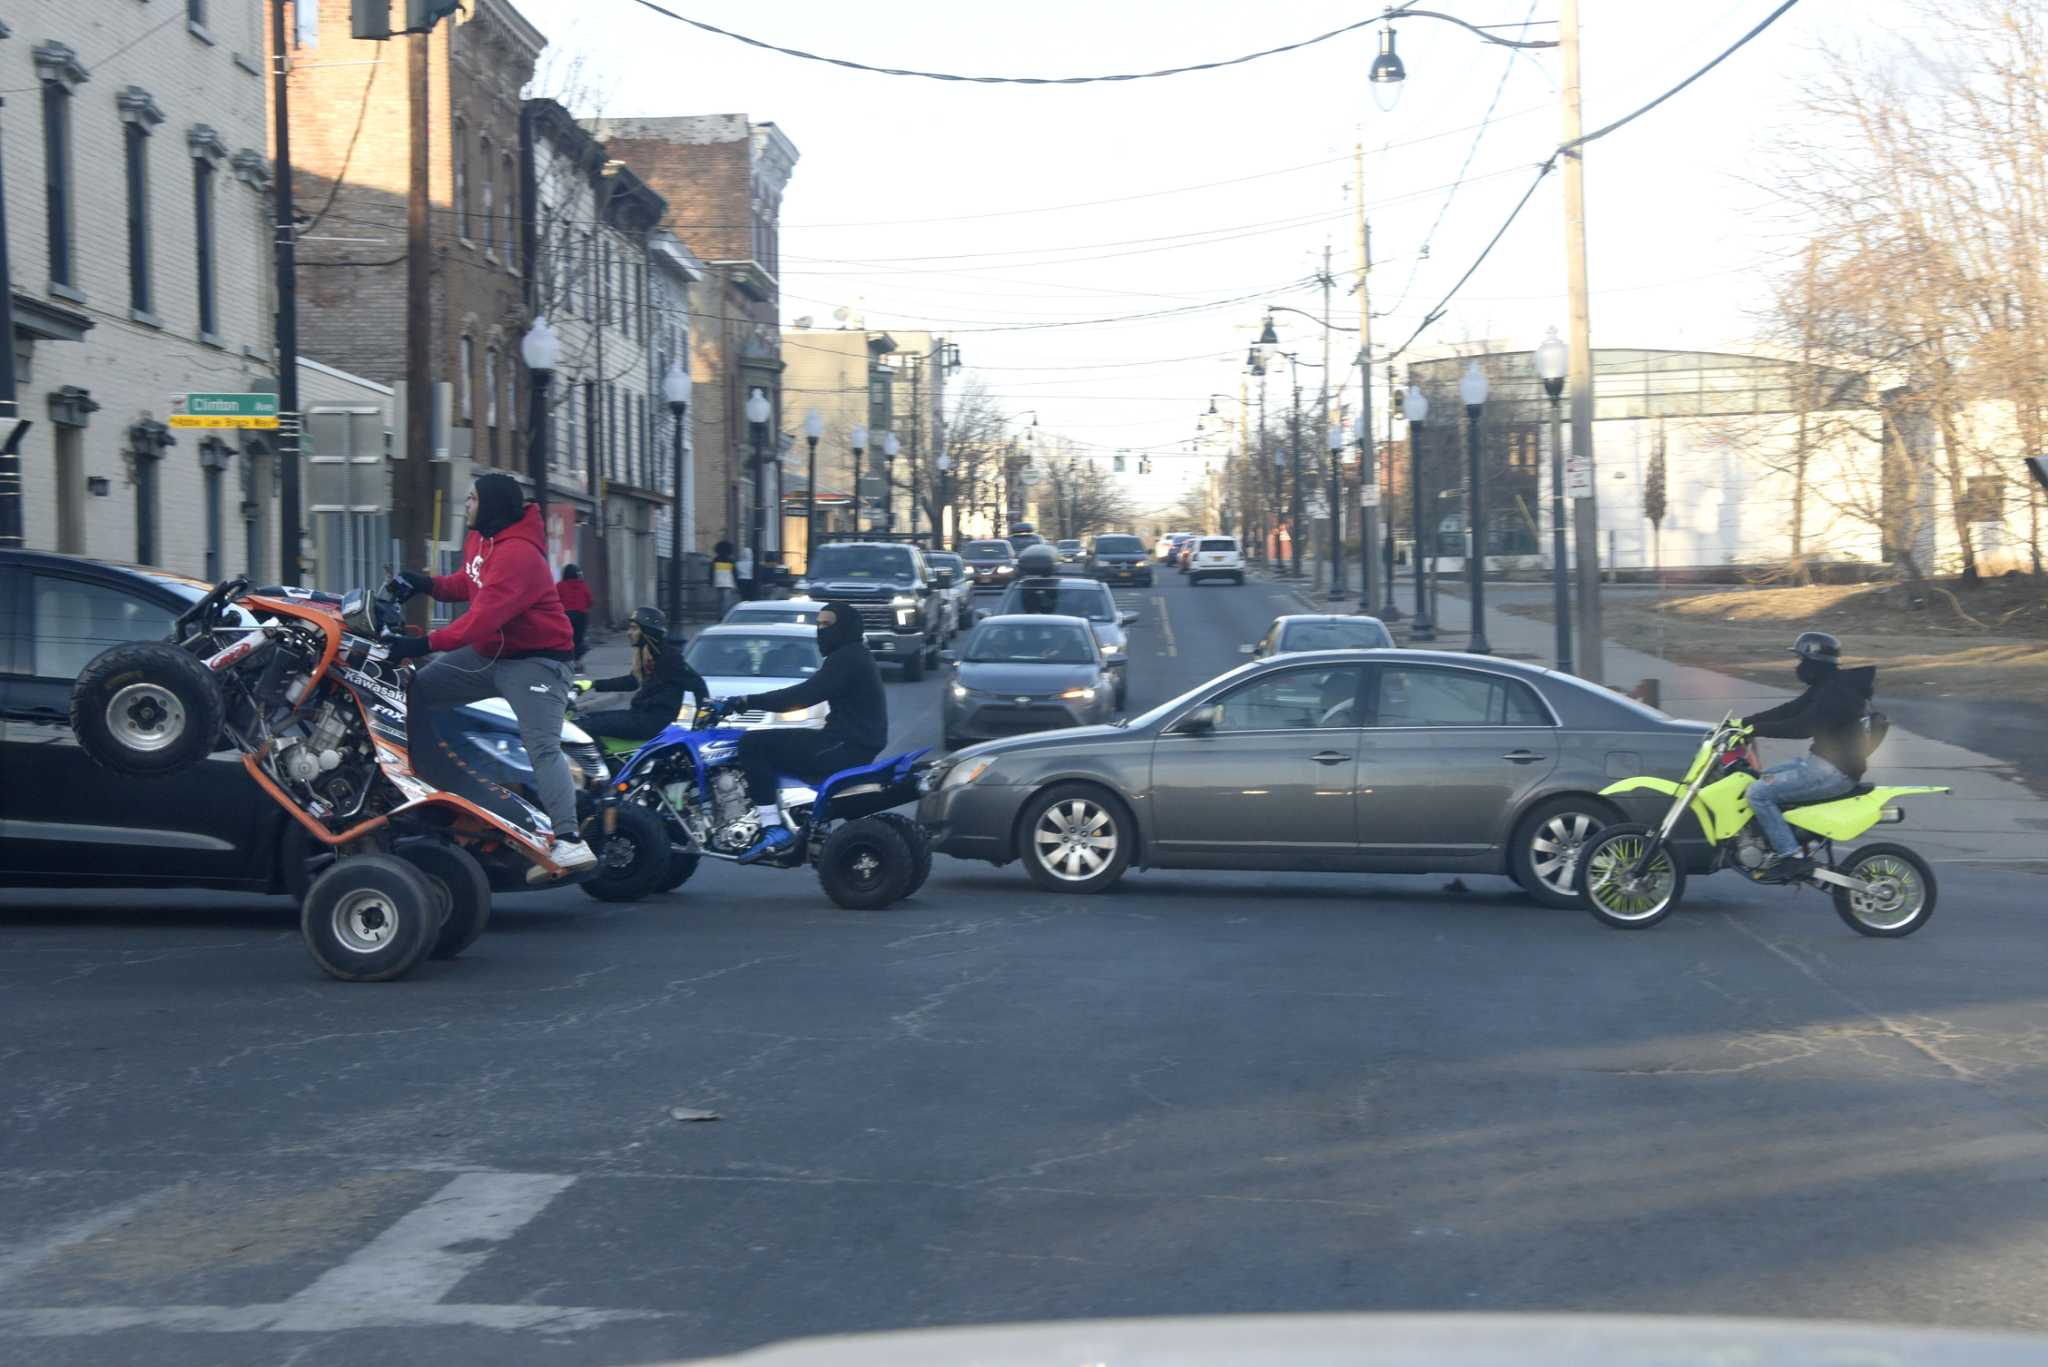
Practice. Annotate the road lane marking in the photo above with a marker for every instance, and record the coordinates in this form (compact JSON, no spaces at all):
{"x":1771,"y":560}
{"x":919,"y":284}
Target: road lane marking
{"x":1165,"y":623}
{"x":23,"y":1259}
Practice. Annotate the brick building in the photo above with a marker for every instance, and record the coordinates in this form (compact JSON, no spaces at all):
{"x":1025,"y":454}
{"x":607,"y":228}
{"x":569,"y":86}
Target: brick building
{"x":723,"y":177}
{"x":351,"y":149}
{"x":137,"y":217}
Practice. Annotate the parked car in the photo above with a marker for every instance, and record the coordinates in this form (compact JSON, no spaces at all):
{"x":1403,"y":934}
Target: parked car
{"x":64,"y":821}
{"x":1117,"y":558}
{"x":1215,"y":557}
{"x":902,"y":614}
{"x":1027,"y":672}
{"x":1300,"y":631}
{"x":956,"y":586}
{"x":739,"y":658}
{"x":1380,"y":762}
{"x":1093,"y":603}
{"x":755,"y":612}
{"x":994,"y":562}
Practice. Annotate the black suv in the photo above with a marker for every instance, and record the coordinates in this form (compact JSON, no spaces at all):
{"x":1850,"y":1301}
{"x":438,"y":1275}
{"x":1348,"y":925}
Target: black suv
{"x":1119,"y":559}
{"x":902,"y":612}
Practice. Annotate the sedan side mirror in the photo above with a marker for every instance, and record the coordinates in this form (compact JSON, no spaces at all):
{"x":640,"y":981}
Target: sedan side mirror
{"x":1200,"y":721}
{"x":1129,"y":619}
{"x":1116,"y":659}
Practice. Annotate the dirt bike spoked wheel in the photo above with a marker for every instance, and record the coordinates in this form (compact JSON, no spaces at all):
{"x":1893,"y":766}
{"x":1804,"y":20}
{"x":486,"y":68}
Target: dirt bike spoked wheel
{"x":632,"y":855}
{"x":461,"y":886}
{"x":866,"y":865}
{"x":1626,"y":883}
{"x":147,"y":707}
{"x":370,"y":918}
{"x":1902,"y":891}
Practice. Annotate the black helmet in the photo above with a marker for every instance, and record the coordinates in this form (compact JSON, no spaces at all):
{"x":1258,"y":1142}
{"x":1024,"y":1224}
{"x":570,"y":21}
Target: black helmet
{"x":1040,"y":559}
{"x":1818,"y":645}
{"x":653,"y":624}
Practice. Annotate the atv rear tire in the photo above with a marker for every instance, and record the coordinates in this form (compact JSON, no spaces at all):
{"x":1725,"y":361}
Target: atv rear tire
{"x":147,"y":708}
{"x":632,"y":858}
{"x":920,"y":848}
{"x":866,"y":865}
{"x":462,"y":885}
{"x":681,"y":865}
{"x":370,"y":918}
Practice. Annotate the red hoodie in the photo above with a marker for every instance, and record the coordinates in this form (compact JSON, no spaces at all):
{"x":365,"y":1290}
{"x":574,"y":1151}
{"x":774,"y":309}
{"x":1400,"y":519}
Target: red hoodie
{"x":513,"y":607}
{"x":575,"y":595}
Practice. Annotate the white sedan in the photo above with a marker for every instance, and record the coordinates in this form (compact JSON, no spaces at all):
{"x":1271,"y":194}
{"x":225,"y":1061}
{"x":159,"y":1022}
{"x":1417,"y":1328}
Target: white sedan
{"x":738,"y":659}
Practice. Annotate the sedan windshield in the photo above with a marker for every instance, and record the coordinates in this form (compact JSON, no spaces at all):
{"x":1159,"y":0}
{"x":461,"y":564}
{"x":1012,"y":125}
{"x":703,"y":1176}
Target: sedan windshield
{"x":1119,"y":545}
{"x":1065,"y":599}
{"x":800,"y":615}
{"x":862,"y":562}
{"x":942,"y":560}
{"x":748,"y":656}
{"x":989,"y":550}
{"x":1335,"y":636}
{"x":1051,"y":643}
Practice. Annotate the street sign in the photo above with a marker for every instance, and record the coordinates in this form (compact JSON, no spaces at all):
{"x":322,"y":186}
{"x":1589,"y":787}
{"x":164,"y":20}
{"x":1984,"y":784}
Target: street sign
{"x":1578,"y":476}
{"x":1369,"y":496}
{"x":256,"y":411}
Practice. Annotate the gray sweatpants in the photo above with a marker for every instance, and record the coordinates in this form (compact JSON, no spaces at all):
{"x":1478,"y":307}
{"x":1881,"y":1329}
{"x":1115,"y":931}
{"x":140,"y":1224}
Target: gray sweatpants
{"x":538,"y":692}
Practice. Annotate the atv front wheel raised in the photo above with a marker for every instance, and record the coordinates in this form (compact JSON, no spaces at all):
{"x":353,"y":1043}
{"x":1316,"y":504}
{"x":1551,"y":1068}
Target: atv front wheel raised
{"x":146,"y":708}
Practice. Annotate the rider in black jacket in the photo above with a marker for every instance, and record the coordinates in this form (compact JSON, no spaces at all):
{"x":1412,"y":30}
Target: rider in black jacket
{"x":856,"y":728}
{"x":1831,"y":712}
{"x":659,"y":678}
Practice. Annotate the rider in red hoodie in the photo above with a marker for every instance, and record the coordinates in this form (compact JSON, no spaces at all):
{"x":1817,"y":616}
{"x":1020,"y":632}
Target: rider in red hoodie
{"x":514,"y":643}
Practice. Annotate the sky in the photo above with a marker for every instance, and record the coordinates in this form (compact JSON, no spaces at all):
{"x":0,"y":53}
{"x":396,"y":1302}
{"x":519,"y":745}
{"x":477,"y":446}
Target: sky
{"x":1028,"y":223}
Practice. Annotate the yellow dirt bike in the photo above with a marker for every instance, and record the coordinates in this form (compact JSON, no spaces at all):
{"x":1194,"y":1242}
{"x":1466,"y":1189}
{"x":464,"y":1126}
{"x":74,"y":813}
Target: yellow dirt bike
{"x":1633,"y":876}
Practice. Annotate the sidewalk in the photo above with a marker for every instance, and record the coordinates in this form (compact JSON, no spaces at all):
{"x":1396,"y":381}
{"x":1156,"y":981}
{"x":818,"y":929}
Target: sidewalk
{"x":1991,"y":817}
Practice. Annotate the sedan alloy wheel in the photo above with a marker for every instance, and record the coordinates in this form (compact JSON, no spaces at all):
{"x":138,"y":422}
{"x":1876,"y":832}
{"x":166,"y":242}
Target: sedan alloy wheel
{"x":1076,"y":839}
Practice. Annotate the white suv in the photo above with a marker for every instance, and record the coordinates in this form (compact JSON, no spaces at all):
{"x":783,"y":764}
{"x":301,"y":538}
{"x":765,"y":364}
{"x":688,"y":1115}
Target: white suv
{"x":1216,"y":557}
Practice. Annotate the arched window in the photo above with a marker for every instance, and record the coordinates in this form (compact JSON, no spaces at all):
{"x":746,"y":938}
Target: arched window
{"x":508,"y":204}
{"x":491,"y":402}
{"x":465,"y":381}
{"x":462,"y":177}
{"x":511,"y":411}
{"x":490,"y":200}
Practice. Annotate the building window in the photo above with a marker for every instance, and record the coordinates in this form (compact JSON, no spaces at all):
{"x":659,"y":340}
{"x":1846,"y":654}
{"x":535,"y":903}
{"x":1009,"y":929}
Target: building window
{"x":639,"y":302}
{"x":511,"y":411}
{"x":465,"y":381}
{"x":565,"y":268}
{"x":57,"y":178}
{"x":139,"y":115}
{"x":611,"y":431}
{"x":195,"y":11}
{"x":202,"y":232}
{"x":462,"y":178}
{"x":605,"y":290}
{"x":491,"y":397}
{"x":587,"y":267}
{"x":490,"y":205}
{"x":508,"y":203}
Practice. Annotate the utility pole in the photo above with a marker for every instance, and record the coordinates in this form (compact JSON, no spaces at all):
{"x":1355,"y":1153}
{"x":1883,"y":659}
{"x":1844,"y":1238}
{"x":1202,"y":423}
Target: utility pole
{"x":285,"y":245}
{"x":416,"y":496}
{"x":1368,"y":466}
{"x":1579,"y":375}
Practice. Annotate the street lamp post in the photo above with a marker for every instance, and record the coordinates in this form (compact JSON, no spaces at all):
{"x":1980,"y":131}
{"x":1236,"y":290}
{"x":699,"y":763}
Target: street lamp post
{"x":758,"y":409}
{"x":675,"y":387}
{"x":1388,"y":610}
{"x":542,"y":352}
{"x":860,"y":447}
{"x":890,"y":446}
{"x":1552,"y":360}
{"x":1415,"y":408}
{"x":1336,"y":481}
{"x":1472,"y":389}
{"x":814,"y":428}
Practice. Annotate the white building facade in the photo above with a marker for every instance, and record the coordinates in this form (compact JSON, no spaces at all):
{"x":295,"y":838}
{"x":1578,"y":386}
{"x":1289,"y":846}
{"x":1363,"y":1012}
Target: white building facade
{"x":138,"y":203}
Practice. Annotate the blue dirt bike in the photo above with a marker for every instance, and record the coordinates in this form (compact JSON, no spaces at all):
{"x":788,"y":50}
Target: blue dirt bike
{"x":867,"y":856}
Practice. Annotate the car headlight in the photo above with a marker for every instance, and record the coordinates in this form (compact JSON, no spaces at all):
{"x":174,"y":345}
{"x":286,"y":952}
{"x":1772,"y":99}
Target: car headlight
{"x":1079,"y":694}
{"x":1006,"y":569}
{"x":903,"y":600}
{"x":964,"y":774}
{"x":959,"y":690}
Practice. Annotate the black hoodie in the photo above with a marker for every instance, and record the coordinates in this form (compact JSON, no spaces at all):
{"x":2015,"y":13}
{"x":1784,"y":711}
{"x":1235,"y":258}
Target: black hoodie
{"x":1830,"y":711}
{"x":500,"y":502}
{"x":848,"y":679}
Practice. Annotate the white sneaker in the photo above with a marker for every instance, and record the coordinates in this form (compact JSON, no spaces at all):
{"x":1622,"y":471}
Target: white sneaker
{"x":573,"y":856}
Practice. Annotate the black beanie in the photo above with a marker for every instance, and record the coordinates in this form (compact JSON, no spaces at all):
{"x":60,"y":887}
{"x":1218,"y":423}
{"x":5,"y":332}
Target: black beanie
{"x":500,"y":502}
{"x":845,"y":628}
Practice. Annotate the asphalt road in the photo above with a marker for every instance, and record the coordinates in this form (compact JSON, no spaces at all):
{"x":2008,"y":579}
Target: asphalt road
{"x":1204,"y":1093}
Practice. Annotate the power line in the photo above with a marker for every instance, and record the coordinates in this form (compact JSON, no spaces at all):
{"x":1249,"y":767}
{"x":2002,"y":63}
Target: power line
{"x":1394,"y":13}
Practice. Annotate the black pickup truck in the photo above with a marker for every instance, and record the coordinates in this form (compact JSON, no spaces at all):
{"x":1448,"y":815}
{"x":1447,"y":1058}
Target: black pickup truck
{"x":902,"y":611}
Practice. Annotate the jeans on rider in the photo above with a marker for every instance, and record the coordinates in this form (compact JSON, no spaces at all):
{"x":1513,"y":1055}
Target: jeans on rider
{"x":1806,"y":779}
{"x":766,"y":755}
{"x":538,"y":692}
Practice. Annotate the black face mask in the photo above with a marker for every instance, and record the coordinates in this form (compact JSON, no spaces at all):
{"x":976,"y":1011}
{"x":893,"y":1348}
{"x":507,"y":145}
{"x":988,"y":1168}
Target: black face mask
{"x":845,"y":628}
{"x":1811,"y":672}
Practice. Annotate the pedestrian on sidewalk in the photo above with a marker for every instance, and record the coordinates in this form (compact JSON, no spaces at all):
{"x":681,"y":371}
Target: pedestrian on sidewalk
{"x":1831,"y":712}
{"x":724,"y":576}
{"x":575,"y":595}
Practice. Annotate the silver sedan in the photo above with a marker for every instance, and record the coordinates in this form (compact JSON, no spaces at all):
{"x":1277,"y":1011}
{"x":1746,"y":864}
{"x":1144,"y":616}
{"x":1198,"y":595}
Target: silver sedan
{"x":1380,"y":761}
{"x":1030,"y":672}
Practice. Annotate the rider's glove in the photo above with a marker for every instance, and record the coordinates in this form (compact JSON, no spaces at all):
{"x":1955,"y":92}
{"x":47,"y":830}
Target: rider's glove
{"x":585,"y":685}
{"x":406,"y":583}
{"x":405,"y":647}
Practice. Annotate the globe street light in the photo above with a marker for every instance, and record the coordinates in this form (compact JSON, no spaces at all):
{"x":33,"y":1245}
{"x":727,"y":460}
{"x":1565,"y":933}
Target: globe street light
{"x":1415,"y":408}
{"x":542,"y":351}
{"x":675,"y":387}
{"x":1336,"y":481}
{"x":758,"y":409}
{"x":1387,"y":73}
{"x":859,"y":439}
{"x":1472,"y":389}
{"x":1551,"y":361}
{"x":814,"y":428}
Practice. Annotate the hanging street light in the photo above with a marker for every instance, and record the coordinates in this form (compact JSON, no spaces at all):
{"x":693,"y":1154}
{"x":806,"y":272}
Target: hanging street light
{"x":1267,"y":336}
{"x":1387,"y":73}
